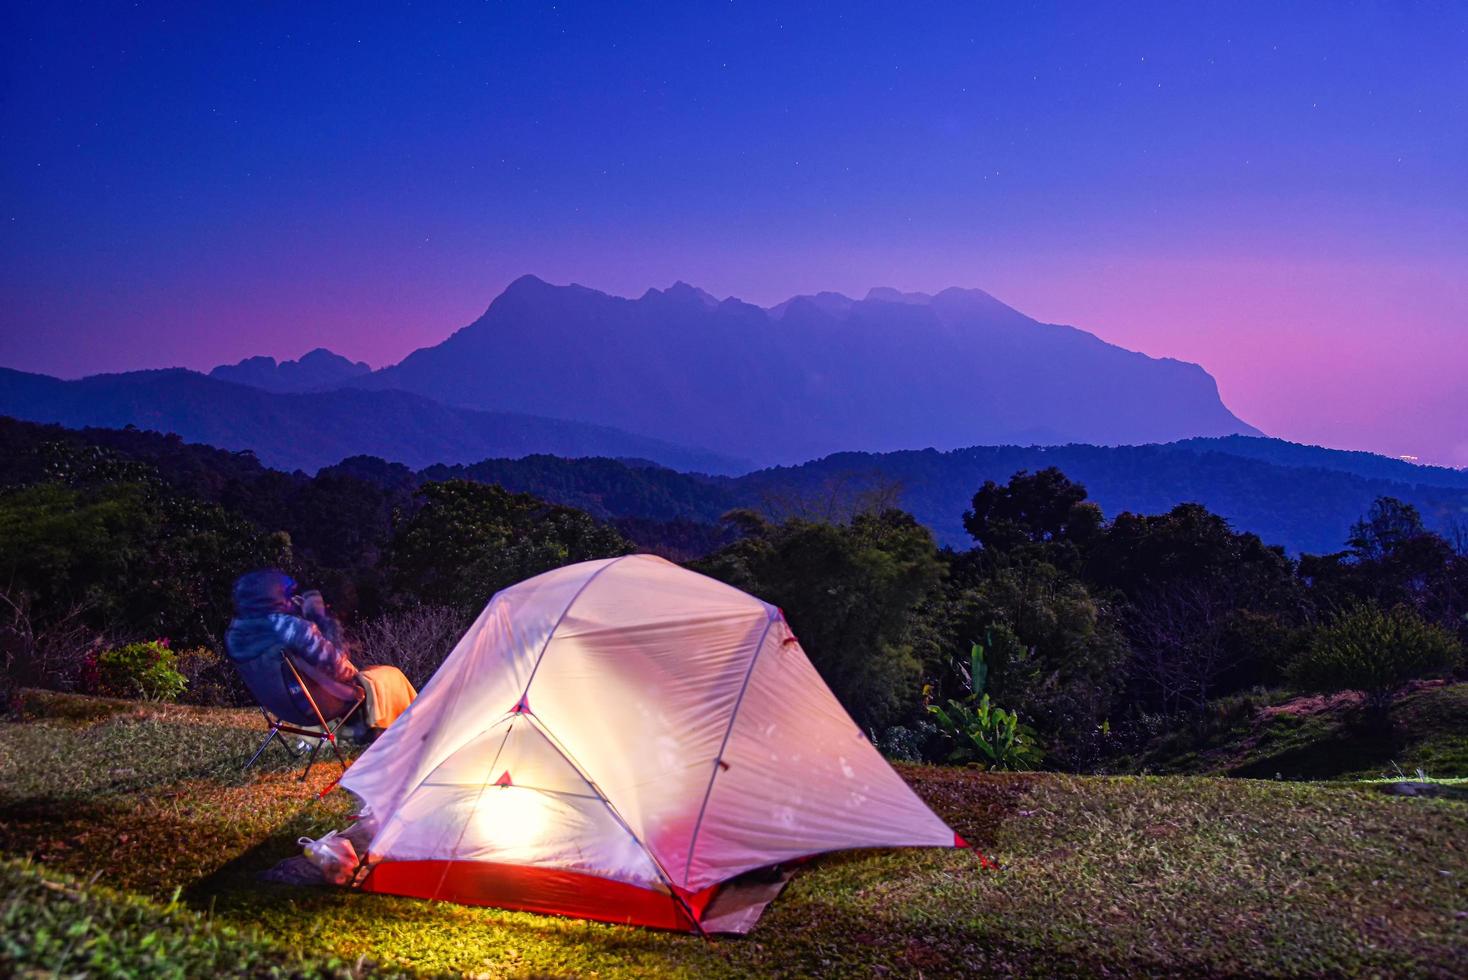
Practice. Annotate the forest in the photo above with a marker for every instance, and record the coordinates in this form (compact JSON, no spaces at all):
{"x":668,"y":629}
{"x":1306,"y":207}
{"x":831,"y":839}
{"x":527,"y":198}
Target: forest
{"x":1060,"y":637}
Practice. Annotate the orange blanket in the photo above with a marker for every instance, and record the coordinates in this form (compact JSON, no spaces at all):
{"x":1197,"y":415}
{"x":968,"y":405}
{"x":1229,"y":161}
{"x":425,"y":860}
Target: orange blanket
{"x":388,"y":694}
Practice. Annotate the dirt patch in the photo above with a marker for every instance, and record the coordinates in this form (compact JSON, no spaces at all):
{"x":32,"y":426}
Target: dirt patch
{"x":1313,"y":704}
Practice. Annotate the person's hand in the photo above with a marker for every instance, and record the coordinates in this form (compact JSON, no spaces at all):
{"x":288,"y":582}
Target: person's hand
{"x":313,"y":607}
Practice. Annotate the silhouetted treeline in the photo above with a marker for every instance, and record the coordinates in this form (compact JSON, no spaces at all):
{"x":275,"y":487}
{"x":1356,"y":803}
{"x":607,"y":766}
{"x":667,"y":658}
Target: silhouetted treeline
{"x":1096,"y":628}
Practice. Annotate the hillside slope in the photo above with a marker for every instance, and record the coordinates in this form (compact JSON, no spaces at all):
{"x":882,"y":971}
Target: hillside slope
{"x":1304,"y":509}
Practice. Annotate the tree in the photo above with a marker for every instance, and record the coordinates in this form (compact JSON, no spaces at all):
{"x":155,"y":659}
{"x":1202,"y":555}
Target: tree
{"x":850,"y":592}
{"x":1393,"y":560}
{"x":138,"y":560}
{"x":1031,"y":508}
{"x":1187,"y":582}
{"x":468,"y":541}
{"x":1366,"y":649}
{"x":1386,"y":527}
{"x":1053,"y":649}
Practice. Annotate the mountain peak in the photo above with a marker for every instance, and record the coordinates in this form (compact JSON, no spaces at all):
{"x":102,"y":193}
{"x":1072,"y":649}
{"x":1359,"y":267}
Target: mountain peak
{"x":316,"y":370}
{"x":681,"y":292}
{"x":527,"y":283}
{"x":886,"y":294}
{"x":826,"y":301}
{"x":819,"y":374}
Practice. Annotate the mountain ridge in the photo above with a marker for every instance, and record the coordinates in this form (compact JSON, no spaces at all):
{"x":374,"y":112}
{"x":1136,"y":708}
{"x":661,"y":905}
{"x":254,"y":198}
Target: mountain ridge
{"x":1306,"y":508}
{"x":813,"y":375}
{"x":309,"y":430}
{"x":315,"y":370}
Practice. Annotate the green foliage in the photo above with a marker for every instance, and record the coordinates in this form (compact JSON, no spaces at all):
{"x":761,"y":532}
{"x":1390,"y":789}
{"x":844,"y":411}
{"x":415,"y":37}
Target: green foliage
{"x":987,"y":734}
{"x":468,"y":541}
{"x":1386,"y":527}
{"x":134,"y":558}
{"x":140,"y":670}
{"x":1031,"y":509}
{"x":851,"y":592}
{"x":1052,"y":650}
{"x":981,"y":731}
{"x":1373,"y":651}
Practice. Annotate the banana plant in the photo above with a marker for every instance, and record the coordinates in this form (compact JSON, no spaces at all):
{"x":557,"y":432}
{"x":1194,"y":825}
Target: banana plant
{"x":982,"y":732}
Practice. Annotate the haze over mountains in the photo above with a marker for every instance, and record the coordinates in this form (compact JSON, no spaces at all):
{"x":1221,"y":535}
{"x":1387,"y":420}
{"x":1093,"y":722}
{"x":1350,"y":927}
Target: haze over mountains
{"x":811,"y":376}
{"x":309,"y":430}
{"x":675,"y":376}
{"x":928,"y":394}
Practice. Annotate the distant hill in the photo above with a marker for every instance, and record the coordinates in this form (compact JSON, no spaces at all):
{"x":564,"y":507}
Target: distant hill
{"x":814,"y":375}
{"x":1368,"y":465}
{"x":315,"y":371}
{"x":308,"y":431}
{"x":1304,"y":509}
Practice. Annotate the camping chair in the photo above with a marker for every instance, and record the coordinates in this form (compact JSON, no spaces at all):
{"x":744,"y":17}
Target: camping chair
{"x":324,"y":732}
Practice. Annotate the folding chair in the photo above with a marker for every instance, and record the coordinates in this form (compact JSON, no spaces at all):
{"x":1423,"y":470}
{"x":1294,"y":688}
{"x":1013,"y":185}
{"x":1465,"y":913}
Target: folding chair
{"x":327,"y":732}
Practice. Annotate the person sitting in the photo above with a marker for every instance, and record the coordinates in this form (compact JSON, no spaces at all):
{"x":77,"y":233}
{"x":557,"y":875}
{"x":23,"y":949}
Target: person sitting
{"x":273,"y":619}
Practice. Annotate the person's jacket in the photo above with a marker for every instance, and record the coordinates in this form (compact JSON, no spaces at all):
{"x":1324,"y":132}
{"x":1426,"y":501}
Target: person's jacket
{"x":266,"y":627}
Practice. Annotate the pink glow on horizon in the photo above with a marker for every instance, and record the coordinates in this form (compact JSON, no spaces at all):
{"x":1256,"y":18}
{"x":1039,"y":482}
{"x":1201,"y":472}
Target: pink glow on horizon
{"x":1350,"y":354}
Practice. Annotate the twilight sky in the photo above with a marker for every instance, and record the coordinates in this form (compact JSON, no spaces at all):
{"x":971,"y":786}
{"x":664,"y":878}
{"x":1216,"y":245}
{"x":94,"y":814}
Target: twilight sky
{"x":1276,"y":191}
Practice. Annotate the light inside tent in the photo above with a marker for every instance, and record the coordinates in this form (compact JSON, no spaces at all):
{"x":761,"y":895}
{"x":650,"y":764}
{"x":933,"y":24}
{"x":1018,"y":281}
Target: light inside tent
{"x":511,"y":817}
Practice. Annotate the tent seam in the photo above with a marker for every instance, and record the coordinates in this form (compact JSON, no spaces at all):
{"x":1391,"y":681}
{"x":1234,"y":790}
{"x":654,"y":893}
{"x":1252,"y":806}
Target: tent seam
{"x":551,"y":635}
{"x":464,"y":828}
{"x":719,"y":756}
{"x":564,"y":753}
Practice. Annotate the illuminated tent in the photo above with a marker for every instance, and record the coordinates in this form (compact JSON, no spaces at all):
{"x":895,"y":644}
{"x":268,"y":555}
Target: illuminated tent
{"x":614,"y":740}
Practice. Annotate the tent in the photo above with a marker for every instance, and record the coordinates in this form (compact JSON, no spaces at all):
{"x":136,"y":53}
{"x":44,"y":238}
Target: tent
{"x":614,"y":740}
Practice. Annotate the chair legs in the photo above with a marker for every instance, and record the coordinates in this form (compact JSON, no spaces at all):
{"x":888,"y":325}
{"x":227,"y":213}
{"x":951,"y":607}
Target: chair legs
{"x":274,"y":732}
{"x":326,"y":735}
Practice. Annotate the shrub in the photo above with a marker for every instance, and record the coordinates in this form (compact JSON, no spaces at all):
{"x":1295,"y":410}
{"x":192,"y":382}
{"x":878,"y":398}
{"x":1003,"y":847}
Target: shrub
{"x":212,"y":679}
{"x":47,"y":653}
{"x":907,"y":743}
{"x":140,"y":670}
{"x":415,"y":640}
{"x":983,"y":732}
{"x":1373,"y":651}
{"x":987,"y":734}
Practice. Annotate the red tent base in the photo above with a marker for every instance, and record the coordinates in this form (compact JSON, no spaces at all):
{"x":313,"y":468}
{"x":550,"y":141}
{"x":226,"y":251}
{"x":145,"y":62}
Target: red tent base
{"x":545,"y":890}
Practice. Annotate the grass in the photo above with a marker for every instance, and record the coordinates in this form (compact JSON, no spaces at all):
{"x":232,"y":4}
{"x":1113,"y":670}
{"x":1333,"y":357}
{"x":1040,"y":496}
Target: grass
{"x":1327,"y":738}
{"x":137,"y":822}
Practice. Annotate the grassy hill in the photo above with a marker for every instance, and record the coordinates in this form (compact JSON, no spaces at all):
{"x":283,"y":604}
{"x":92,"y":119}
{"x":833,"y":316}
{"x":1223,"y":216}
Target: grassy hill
{"x":1325,"y":737}
{"x":144,"y":841}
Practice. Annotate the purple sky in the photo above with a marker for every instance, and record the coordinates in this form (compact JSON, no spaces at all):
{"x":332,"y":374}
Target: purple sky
{"x":1280,"y":195}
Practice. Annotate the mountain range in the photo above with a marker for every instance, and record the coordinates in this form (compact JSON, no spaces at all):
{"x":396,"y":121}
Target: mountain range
{"x":314,"y":429}
{"x":677,"y":377}
{"x":811,"y":376}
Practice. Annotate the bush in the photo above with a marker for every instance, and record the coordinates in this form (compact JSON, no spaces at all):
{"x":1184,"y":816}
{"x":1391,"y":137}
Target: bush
{"x":1369,"y":650}
{"x":907,"y":743}
{"x":41,"y":653}
{"x":140,"y":670}
{"x":988,"y":735}
{"x":212,"y":679}
{"x":980,"y":731}
{"x":414,"y":640}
